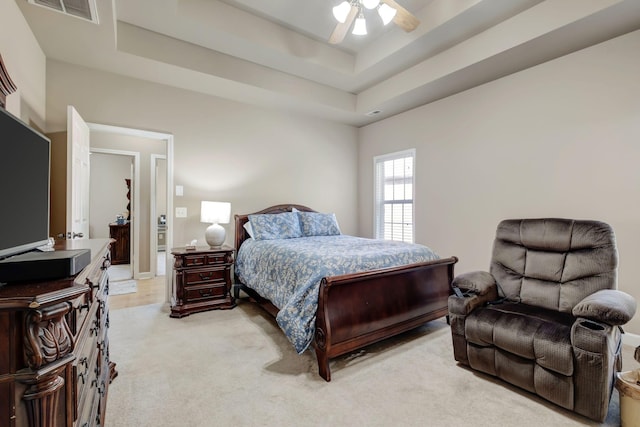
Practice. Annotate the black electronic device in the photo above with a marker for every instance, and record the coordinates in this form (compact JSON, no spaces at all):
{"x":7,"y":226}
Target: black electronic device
{"x":24,"y":173}
{"x":32,"y":266}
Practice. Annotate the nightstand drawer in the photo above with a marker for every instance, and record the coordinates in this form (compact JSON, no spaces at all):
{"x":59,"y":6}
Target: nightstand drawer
{"x":219,"y":259}
{"x":198,"y":260}
{"x":194,"y":260}
{"x":196,"y":293}
{"x":196,"y":277}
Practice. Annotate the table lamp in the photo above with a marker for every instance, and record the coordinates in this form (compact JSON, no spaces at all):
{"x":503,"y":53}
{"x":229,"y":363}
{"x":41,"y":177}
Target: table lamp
{"x":215,"y":213}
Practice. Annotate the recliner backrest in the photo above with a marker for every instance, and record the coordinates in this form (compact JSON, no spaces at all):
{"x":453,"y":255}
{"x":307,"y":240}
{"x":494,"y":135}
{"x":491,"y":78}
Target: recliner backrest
{"x":554,"y":262}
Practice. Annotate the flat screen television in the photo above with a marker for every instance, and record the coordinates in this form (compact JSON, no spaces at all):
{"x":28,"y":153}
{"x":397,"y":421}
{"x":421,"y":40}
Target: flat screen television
{"x":24,"y":193}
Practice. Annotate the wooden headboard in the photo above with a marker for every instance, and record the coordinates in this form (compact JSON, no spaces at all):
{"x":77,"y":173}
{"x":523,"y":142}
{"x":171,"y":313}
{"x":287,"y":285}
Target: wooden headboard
{"x":241,"y":220}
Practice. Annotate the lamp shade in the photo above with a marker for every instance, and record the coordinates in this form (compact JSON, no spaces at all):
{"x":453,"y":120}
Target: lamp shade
{"x":387,"y":13}
{"x":370,"y":4}
{"x":360,"y":27}
{"x":341,"y":11}
{"x":215,"y":213}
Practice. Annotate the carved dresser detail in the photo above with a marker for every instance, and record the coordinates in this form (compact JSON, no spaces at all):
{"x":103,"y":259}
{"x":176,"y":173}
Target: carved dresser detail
{"x":54,"y":348}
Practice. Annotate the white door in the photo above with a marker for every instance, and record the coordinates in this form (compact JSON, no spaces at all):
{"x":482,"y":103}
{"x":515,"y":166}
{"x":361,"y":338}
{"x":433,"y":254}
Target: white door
{"x":77,"y":176}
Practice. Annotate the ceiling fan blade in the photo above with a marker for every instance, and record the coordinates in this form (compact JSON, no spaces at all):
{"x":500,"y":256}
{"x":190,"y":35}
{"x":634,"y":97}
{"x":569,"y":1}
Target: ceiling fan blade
{"x":341,"y":29}
{"x":404,"y":19}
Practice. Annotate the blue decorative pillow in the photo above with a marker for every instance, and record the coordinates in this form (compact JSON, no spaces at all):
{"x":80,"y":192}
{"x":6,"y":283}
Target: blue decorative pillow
{"x":275,"y":226}
{"x":318,"y":224}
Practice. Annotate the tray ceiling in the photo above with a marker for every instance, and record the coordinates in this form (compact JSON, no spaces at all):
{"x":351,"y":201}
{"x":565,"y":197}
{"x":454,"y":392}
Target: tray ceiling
{"x":275,"y":53}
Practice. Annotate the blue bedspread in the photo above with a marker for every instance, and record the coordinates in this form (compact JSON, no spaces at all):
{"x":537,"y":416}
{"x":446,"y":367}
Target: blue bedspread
{"x":288,"y":272}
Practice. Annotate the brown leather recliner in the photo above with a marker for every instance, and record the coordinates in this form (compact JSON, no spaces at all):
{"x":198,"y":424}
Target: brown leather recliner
{"x":547,"y":316}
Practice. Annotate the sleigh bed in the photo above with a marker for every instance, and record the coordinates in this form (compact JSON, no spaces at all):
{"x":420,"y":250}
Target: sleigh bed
{"x":358,"y":309}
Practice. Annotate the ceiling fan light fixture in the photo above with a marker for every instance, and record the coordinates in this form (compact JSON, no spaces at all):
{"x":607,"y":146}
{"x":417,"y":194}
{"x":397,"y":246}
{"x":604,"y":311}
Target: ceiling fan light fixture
{"x":387,"y":13}
{"x":341,"y":11}
{"x":360,"y":27}
{"x":370,"y":4}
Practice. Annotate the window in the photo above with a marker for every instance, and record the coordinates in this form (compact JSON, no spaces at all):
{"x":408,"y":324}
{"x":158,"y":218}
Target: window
{"x":393,"y":216}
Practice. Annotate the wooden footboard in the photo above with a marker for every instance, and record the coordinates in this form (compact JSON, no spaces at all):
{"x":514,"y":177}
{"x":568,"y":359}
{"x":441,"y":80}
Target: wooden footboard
{"x":356,"y":310}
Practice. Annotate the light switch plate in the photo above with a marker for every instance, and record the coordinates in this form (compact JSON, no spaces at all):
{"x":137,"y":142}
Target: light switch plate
{"x":179,"y":190}
{"x":181,"y":212}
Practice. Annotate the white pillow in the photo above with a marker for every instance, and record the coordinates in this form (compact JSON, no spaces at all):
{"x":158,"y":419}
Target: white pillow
{"x":247,"y":227}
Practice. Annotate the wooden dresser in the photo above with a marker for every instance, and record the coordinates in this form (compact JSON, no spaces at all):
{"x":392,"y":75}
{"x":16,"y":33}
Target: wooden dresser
{"x":54,"y":348}
{"x":202,"y":280}
{"x":120,"y":250}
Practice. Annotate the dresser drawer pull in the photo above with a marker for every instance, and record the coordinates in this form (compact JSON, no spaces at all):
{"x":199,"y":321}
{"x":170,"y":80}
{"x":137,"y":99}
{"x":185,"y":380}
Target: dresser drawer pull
{"x":205,"y":276}
{"x":205,"y":293}
{"x":91,"y":284}
{"x":83,"y":375}
{"x":96,"y":327}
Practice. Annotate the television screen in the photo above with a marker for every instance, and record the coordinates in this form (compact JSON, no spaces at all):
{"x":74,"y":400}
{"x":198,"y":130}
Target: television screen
{"x":24,"y":177}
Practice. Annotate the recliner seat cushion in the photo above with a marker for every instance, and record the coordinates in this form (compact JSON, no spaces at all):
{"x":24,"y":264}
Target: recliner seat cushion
{"x":533,"y":333}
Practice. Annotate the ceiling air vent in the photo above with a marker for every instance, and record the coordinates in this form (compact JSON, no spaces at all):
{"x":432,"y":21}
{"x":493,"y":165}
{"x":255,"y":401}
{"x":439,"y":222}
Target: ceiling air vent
{"x":85,"y":9}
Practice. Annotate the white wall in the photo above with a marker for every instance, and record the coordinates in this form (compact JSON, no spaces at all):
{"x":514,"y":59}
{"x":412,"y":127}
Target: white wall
{"x":108,"y":191}
{"x":26,"y":65}
{"x":558,"y":140}
{"x":224,"y":151}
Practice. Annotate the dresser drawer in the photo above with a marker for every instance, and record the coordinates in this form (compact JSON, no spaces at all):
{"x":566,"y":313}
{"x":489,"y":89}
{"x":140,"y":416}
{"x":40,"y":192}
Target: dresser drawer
{"x":87,"y":413}
{"x":78,"y":315}
{"x":84,"y":374}
{"x":196,"y":277}
{"x":197,"y":293}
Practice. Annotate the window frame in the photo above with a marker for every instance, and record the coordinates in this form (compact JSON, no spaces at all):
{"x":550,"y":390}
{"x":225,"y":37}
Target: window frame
{"x":378,"y":194}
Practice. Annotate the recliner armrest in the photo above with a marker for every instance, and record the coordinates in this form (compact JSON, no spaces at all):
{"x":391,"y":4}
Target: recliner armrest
{"x":609,"y":306}
{"x":479,"y":288}
{"x":478,"y":282}
{"x":465,"y":305}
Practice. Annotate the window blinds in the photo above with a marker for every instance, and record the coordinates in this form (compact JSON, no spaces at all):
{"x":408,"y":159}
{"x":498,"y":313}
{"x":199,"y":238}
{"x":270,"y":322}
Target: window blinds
{"x":394,"y":183}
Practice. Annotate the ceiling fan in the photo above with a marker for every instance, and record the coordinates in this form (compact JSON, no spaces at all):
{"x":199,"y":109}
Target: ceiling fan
{"x":352,"y":10}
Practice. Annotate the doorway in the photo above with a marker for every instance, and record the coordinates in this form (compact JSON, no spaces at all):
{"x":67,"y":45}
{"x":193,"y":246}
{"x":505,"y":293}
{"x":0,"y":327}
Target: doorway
{"x":147,"y":203}
{"x":113,"y":205}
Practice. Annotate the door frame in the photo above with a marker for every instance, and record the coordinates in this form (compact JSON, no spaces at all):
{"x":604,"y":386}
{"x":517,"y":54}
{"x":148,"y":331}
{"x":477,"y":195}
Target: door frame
{"x":153,"y":214}
{"x":168,"y":139}
{"x":134,"y":249}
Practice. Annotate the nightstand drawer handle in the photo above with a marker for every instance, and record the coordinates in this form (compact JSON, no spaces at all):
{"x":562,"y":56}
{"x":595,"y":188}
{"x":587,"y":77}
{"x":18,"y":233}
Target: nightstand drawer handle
{"x":205,"y":276}
{"x":204,"y":293}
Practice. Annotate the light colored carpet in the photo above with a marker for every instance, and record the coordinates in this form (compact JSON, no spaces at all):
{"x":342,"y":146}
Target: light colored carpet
{"x":236,"y":368}
{"x":123,"y":287}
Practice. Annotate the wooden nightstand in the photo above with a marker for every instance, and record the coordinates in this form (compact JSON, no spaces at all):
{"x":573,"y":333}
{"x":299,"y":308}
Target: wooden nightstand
{"x":202,"y":280}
